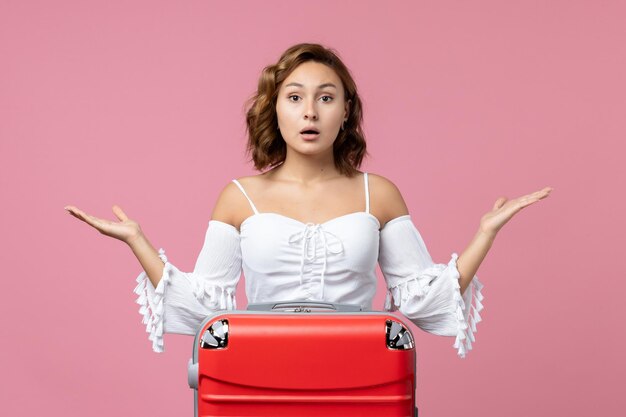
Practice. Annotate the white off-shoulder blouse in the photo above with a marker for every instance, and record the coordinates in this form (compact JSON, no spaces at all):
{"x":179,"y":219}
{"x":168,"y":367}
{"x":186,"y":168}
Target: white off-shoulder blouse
{"x":285,"y":259}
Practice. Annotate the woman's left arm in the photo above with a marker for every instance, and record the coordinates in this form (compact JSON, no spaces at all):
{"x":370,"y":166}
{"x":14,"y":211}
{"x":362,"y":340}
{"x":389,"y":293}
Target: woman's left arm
{"x":490,"y":224}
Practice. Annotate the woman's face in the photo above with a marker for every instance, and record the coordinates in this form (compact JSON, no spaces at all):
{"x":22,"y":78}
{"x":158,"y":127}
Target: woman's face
{"x":311,"y":97}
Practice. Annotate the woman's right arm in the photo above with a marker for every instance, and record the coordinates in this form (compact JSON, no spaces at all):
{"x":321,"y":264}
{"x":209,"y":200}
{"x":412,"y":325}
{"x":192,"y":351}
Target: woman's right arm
{"x":130,"y":232}
{"x":148,"y":257}
{"x":171,"y":300}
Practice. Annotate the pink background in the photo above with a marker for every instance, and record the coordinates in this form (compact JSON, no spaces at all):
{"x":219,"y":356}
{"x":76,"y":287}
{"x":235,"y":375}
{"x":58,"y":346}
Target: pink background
{"x":140,"y":103}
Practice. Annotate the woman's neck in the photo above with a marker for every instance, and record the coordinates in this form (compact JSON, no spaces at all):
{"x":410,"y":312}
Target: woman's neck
{"x":306,"y":169}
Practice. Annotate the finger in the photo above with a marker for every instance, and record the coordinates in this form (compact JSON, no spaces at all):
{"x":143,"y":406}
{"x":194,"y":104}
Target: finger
{"x":530,"y":199}
{"x":75,"y":215}
{"x":73,"y":211}
{"x":91,"y":220}
{"x":119,"y":213}
{"x":499,"y":203}
{"x":102,"y":225}
{"x":69,"y":209}
{"x":542,"y":193}
{"x":545,"y":192}
{"x":527,"y":199}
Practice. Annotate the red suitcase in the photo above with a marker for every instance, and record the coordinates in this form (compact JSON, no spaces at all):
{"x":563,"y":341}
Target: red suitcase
{"x":300,"y":359}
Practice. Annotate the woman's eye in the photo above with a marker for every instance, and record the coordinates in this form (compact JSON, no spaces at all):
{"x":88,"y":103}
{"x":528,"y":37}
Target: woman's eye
{"x":323,"y":97}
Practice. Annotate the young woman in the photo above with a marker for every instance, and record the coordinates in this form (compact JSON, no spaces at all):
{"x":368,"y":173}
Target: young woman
{"x":312,"y":226}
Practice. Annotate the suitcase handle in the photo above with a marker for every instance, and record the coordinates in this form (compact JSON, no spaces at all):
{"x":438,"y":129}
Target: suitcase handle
{"x":303,"y":306}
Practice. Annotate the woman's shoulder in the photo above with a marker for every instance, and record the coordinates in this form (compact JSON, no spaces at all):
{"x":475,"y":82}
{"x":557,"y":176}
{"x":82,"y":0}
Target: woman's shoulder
{"x":384,"y":186}
{"x":381,"y":183}
{"x":231,"y":205}
{"x":386,"y":200}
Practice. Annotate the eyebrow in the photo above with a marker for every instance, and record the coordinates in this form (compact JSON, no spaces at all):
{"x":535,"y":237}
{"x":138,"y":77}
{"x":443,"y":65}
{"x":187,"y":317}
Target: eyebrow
{"x":320,"y":86}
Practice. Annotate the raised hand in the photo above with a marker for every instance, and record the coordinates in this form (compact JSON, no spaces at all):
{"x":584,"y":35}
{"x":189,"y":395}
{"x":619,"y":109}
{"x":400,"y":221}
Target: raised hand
{"x":125,"y":230}
{"x":504,"y":209}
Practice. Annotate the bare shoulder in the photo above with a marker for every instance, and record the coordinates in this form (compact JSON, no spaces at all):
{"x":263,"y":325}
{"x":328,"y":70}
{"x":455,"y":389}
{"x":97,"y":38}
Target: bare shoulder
{"x":385,"y":199}
{"x":231,"y":206}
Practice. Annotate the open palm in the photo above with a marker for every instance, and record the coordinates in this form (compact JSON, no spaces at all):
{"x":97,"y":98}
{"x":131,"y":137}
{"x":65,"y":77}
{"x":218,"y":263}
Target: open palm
{"x":504,"y":209}
{"x":125,"y":230}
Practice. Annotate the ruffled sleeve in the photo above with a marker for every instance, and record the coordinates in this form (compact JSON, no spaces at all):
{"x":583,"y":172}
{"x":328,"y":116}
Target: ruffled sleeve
{"x":182,"y":300}
{"x":426,"y":293}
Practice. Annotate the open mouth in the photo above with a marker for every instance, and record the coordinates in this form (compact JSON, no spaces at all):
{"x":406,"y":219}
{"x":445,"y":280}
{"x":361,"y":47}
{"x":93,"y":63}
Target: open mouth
{"x":309,"y":133}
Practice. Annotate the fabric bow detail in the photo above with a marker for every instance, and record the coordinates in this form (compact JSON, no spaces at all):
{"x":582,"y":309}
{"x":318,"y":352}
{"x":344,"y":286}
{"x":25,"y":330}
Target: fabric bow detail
{"x":309,"y":237}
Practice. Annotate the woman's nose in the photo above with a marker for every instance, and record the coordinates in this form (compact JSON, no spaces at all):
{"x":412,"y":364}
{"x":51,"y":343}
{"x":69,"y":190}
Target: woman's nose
{"x":310,"y":112}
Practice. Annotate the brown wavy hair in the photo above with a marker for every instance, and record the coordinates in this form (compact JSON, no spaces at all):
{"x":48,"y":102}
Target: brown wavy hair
{"x":266,"y":145}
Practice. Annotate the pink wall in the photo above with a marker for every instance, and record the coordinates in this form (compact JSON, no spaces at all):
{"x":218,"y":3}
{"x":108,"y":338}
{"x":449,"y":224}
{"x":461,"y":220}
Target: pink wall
{"x":139,"y":103}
